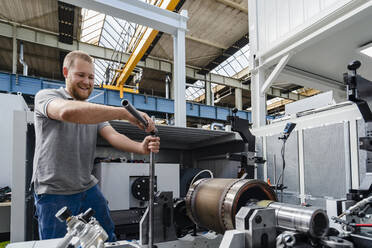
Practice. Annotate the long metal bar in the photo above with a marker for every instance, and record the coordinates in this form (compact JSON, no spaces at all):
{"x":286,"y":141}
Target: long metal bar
{"x":132,"y":110}
{"x":206,"y":42}
{"x":126,"y":104}
{"x":275,"y":73}
{"x":151,"y":197}
{"x":135,"y":11}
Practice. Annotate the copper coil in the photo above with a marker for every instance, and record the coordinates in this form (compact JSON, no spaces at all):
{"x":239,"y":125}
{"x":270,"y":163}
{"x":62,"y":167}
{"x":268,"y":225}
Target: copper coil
{"x":213,"y":203}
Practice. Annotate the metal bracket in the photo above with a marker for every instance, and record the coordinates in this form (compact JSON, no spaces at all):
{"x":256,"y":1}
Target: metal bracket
{"x":359,"y":90}
{"x":275,"y":73}
{"x":163,"y":220}
{"x":242,"y":127}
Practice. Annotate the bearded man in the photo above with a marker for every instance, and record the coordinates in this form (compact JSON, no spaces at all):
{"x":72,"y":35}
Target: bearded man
{"x":66,"y":129}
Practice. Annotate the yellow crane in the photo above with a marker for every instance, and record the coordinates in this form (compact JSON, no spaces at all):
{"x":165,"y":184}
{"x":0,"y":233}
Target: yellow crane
{"x":146,"y":37}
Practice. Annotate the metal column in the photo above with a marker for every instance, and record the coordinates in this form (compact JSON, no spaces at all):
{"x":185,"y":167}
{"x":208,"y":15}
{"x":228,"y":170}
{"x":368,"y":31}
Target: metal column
{"x":208,"y":92}
{"x":258,"y":99}
{"x":179,"y":77}
{"x":258,"y":73}
{"x":239,"y":98}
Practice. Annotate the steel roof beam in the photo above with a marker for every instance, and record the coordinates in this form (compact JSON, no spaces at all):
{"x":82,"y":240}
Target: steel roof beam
{"x":136,"y":11}
{"x":233,"y":5}
{"x":50,"y":39}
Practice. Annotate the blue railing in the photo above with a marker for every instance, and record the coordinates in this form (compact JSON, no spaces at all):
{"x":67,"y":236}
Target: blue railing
{"x":31,"y":85}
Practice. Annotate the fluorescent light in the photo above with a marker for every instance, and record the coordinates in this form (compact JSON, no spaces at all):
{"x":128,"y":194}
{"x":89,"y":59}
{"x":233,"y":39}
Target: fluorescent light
{"x":366,"y":49}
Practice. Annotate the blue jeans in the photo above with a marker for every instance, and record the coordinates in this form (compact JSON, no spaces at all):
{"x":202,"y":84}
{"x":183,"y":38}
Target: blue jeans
{"x":47,"y":205}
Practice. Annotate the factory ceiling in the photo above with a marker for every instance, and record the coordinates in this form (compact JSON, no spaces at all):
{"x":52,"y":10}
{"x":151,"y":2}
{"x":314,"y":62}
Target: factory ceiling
{"x":214,"y":27}
{"x":216,"y":41}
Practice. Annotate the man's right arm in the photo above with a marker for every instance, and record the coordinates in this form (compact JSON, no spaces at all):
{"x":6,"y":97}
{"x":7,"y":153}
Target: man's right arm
{"x":50,"y":104}
{"x":84,"y":112}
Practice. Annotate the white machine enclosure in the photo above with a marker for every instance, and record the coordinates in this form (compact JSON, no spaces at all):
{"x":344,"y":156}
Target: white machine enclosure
{"x":116,"y":180}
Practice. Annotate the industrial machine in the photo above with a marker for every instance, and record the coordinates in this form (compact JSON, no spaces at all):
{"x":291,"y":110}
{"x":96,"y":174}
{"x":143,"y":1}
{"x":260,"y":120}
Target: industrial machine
{"x":240,"y":212}
{"x":245,"y":211}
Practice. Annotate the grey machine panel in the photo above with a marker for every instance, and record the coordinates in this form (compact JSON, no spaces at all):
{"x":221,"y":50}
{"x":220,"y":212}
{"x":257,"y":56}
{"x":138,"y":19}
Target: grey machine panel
{"x":365,"y":162}
{"x":326,"y":162}
{"x":275,"y":164}
{"x":116,"y":180}
{"x":221,"y":168}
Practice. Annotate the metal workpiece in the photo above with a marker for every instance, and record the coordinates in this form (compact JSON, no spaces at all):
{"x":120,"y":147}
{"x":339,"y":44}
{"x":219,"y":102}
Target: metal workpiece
{"x":259,"y":224}
{"x":309,"y":220}
{"x":213,"y":203}
{"x":84,"y":227}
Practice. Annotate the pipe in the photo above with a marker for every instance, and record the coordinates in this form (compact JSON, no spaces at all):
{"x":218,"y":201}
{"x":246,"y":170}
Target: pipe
{"x":14,"y":58}
{"x":167,"y":83}
{"x":22,"y":61}
{"x":17,"y":24}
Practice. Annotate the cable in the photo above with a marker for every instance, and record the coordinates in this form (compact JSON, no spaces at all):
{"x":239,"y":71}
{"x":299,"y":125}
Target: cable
{"x":200,"y":172}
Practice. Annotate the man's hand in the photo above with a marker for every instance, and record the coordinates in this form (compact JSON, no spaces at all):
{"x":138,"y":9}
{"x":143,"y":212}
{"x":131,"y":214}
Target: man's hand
{"x":134,"y":121}
{"x":150,"y":144}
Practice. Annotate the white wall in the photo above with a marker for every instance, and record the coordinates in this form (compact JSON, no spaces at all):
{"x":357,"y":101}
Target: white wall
{"x":278,"y":20}
{"x":8,"y":103}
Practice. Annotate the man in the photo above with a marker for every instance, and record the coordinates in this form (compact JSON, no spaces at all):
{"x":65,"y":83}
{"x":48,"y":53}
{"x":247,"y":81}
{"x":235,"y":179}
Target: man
{"x":66,"y":128}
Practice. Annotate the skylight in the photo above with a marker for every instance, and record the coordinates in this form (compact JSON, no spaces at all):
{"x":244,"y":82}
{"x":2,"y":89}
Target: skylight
{"x":229,"y":68}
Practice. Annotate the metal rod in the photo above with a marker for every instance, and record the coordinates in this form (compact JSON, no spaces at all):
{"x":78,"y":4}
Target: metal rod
{"x":126,"y":104}
{"x":151,"y":197}
{"x":134,"y":112}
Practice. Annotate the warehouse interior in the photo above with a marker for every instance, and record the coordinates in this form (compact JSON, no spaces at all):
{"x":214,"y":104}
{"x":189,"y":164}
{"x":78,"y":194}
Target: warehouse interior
{"x":262,"y":109}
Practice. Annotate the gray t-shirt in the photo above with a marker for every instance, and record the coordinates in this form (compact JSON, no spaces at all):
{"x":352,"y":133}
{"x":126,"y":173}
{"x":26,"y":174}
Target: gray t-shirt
{"x":64,"y":151}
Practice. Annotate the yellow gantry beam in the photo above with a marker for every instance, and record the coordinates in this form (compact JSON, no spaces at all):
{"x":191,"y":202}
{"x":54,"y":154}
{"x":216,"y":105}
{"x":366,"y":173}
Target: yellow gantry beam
{"x":121,"y":89}
{"x":141,"y":47}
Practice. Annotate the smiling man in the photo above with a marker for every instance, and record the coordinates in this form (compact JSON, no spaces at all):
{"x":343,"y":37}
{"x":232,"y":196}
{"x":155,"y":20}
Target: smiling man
{"x":66,"y":129}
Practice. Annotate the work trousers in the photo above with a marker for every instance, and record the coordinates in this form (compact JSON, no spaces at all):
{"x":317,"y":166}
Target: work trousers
{"x":47,"y":205}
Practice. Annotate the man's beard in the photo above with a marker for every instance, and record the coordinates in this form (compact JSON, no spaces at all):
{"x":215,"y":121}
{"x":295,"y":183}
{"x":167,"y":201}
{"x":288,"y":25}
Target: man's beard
{"x":77,"y":96}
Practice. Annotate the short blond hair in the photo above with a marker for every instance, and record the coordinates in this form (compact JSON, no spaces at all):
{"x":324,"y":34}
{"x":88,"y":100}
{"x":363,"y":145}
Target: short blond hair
{"x":68,"y":62}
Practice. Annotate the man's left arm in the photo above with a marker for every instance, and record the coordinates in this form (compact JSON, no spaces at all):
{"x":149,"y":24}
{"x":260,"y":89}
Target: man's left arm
{"x":123,"y":143}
